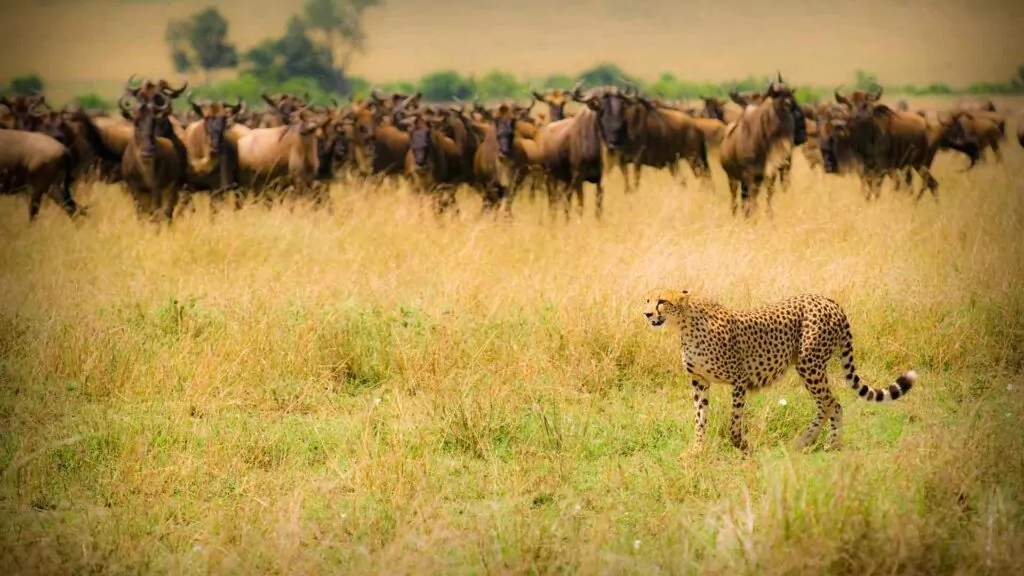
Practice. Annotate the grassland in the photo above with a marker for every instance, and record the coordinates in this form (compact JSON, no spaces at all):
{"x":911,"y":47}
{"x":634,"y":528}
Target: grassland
{"x":283,"y":391}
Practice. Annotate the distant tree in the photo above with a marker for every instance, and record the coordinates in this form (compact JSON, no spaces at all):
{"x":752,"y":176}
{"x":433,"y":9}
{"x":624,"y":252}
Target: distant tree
{"x":606,"y":75}
{"x":201,"y":42}
{"x":340,"y":22}
{"x":446,"y":84}
{"x":498,"y":84}
{"x":558,"y":81}
{"x":26,"y":85}
{"x":295,"y":54}
{"x":863,"y":80}
{"x":93,"y":101}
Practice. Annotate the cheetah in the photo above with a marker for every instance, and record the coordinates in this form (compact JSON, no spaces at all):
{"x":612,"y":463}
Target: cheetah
{"x":751,"y":349}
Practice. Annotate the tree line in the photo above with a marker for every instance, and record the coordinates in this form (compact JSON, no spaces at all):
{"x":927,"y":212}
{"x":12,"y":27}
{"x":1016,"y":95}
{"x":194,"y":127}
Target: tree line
{"x":317,"y":47}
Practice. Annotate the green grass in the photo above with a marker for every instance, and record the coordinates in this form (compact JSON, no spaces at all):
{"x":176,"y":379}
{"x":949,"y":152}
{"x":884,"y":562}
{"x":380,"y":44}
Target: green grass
{"x":369,"y":391}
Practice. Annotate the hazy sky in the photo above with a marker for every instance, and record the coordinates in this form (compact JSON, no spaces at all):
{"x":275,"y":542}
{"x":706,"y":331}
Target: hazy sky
{"x":820,"y":42}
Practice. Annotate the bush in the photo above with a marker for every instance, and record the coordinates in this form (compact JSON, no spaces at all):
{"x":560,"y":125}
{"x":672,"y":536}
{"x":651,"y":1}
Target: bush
{"x":445,"y":85}
{"x":26,"y":85}
{"x":93,"y":101}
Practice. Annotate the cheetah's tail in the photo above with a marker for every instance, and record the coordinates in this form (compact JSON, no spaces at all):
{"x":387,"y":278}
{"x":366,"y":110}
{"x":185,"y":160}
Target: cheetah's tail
{"x":902,"y":385}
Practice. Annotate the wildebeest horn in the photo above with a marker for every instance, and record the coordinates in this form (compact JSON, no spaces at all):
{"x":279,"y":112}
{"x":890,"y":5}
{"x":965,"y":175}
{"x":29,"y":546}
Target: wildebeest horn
{"x":576,"y":89}
{"x":174,"y":93}
{"x":196,"y":107}
{"x":842,"y":99}
{"x":375,"y":94}
{"x":238,"y":108}
{"x":877,"y":95}
{"x":128,"y":86}
{"x":778,"y":74}
{"x":122,"y":104}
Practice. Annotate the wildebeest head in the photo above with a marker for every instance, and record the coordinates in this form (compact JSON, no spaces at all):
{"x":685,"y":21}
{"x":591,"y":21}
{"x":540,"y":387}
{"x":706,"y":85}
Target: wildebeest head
{"x":285,"y":104}
{"x":421,"y":140}
{"x":612,"y":106}
{"x":397,"y":100}
{"x":787,"y":110}
{"x":556,"y":100}
{"x":217,"y":118}
{"x":858,"y":101}
{"x":57,"y":125}
{"x":713,"y":108}
{"x":505,"y":119}
{"x":23,"y":113}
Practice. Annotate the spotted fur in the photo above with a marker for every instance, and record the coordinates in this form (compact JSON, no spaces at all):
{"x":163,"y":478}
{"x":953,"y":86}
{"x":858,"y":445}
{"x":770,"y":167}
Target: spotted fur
{"x":750,"y":349}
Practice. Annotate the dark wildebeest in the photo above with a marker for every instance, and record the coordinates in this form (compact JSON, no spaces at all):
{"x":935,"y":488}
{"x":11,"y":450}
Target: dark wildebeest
{"x":764,"y":135}
{"x":38,"y":164}
{"x":1020,"y":130}
{"x":212,"y":157}
{"x":154,"y":162}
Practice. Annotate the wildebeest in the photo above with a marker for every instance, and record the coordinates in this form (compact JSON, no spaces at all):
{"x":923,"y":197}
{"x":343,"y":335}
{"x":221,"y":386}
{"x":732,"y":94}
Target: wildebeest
{"x":1020,"y":131}
{"x":572,"y":153}
{"x":282,"y":155}
{"x":505,"y":156}
{"x":983,"y":131}
{"x":885,"y":141}
{"x":716,"y":108}
{"x":281,"y":108}
{"x":38,"y":164}
{"x":212,"y":164}
{"x":636,"y":131}
{"x":22,"y":112}
{"x":556,"y":101}
{"x":764,"y":134}
{"x":154,"y":162}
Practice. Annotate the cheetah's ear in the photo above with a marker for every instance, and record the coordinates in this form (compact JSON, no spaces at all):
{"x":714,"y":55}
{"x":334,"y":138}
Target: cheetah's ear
{"x":675,"y":297}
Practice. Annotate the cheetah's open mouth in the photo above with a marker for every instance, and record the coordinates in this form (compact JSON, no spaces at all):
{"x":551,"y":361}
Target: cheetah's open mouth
{"x":657,"y":321}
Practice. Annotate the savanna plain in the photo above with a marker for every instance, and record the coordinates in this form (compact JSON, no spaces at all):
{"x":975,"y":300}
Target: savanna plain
{"x":370,"y":390}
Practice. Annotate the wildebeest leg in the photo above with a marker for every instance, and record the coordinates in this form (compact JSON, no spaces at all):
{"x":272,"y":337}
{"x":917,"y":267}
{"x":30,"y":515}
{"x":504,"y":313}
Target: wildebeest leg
{"x":599,"y":196}
{"x":673,"y":170}
{"x":169,"y":198}
{"x":995,"y":151}
{"x":734,"y":186}
{"x":750,"y":188}
{"x":624,"y":167}
{"x":929,"y":182}
{"x":35,"y":201}
{"x":783,"y":175}
{"x":60,"y":191}
{"x":636,"y":176}
{"x":770,"y":186}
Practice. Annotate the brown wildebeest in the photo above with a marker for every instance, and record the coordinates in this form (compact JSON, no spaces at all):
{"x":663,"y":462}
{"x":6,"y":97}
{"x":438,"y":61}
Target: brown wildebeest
{"x":985,"y":131}
{"x":716,"y":108}
{"x":212,"y":164}
{"x":431,"y":162}
{"x":765,"y":133}
{"x":154,"y":162}
{"x":556,"y":100}
{"x":22,"y":113}
{"x":886,"y":141}
{"x":504,"y":157}
{"x":391,"y":140}
{"x":638,"y":132}
{"x":281,"y":108}
{"x":38,"y":164}
{"x":573,"y":154}
{"x":282,"y":155}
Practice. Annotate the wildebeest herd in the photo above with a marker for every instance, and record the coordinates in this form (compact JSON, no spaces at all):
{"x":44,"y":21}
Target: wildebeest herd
{"x":295,"y":148}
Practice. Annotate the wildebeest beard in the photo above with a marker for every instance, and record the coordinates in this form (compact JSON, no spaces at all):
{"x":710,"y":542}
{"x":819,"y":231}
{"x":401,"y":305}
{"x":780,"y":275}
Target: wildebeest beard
{"x":420,"y":143}
{"x":505,"y":132}
{"x":799,"y":124}
{"x":613,"y":122}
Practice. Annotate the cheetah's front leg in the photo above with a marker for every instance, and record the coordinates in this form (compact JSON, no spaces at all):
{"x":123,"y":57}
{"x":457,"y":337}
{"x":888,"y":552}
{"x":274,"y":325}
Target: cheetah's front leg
{"x":739,"y":400}
{"x":700,"y":406}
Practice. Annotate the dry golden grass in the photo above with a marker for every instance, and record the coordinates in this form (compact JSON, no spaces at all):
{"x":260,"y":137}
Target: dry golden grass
{"x":370,"y":391}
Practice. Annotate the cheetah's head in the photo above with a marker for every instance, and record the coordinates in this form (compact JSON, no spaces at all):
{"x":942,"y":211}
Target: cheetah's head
{"x":662,"y":305}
